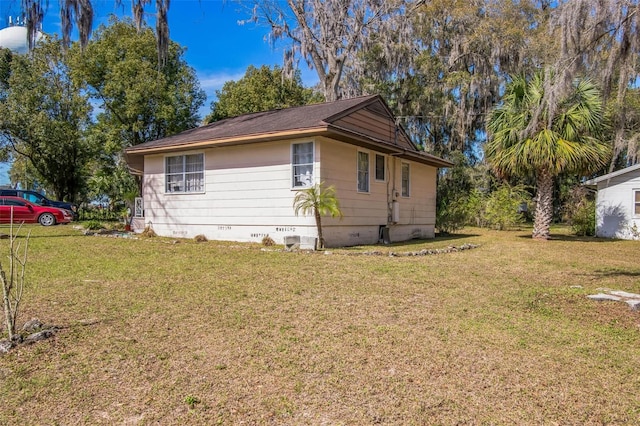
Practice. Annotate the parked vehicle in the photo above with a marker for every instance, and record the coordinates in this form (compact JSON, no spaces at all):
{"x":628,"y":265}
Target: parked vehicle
{"x":37,"y":198}
{"x":28,"y":212}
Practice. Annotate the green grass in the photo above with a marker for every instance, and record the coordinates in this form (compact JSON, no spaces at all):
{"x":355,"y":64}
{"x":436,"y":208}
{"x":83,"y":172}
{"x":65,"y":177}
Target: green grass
{"x":500,"y":334}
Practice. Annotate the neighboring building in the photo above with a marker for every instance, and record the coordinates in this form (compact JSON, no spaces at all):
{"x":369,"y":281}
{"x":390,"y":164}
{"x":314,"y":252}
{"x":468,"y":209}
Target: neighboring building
{"x":236,"y":179}
{"x":618,"y":203}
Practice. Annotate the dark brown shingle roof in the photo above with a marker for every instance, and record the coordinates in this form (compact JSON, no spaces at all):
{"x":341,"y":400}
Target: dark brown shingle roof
{"x":275,"y":121}
{"x":318,"y":119}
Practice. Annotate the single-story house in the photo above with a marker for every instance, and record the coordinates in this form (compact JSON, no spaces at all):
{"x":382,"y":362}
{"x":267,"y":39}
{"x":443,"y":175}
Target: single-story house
{"x":236,"y":179}
{"x":618,"y":203}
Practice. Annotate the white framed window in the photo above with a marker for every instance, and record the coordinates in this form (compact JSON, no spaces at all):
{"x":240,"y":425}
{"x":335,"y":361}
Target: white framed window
{"x":636,"y":202}
{"x":363,"y":171}
{"x":406,"y":180}
{"x":184,"y":173}
{"x":381,"y":167}
{"x":302,"y":160}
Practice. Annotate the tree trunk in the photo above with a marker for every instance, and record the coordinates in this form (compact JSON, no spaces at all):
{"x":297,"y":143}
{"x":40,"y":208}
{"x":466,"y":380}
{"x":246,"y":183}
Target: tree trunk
{"x":544,"y":205}
{"x":320,"y":244}
{"x":8,"y":317}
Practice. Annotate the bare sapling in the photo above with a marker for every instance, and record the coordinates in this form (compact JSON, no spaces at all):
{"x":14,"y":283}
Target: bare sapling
{"x":13,"y":279}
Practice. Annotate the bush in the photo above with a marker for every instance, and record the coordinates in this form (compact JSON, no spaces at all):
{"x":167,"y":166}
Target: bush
{"x":93,"y":225}
{"x":268,"y":241}
{"x":580,"y":211}
{"x":453,"y":188}
{"x":584,"y":218}
{"x":503,"y":207}
{"x":476,"y":206}
{"x":452,"y":216}
{"x":200,"y":238}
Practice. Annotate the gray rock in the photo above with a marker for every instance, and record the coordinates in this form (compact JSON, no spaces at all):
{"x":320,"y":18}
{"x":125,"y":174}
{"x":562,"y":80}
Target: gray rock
{"x":601,"y":297}
{"x":32,"y":325}
{"x":40,"y":335}
{"x":625,"y":294}
{"x":634,"y":304}
{"x":5,"y":346}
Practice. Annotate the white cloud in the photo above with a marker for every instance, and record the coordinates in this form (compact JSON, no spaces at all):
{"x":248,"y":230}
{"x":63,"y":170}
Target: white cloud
{"x":210,"y":81}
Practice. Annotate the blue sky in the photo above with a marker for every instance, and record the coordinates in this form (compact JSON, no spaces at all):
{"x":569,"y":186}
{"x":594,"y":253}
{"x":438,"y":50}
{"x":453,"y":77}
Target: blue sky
{"x":218,"y":48}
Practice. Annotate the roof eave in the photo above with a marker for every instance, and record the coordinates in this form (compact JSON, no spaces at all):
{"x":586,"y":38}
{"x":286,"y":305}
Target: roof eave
{"x":238,"y":140}
{"x":386,"y":147}
{"x":594,"y":182}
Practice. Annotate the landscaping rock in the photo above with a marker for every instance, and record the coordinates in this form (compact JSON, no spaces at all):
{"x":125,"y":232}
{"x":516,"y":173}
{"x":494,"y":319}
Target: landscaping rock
{"x":32,"y":325}
{"x":634,"y":304}
{"x":5,"y":346}
{"x":40,"y":335}
{"x":601,"y":297}
{"x":625,"y":295}
{"x":631,"y":299}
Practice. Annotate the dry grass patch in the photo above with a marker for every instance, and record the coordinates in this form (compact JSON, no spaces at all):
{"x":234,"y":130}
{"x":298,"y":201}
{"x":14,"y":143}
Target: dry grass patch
{"x":164,"y":333}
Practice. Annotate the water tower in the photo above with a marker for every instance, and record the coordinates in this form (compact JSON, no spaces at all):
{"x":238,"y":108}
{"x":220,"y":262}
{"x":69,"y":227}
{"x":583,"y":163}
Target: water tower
{"x":16,"y":38}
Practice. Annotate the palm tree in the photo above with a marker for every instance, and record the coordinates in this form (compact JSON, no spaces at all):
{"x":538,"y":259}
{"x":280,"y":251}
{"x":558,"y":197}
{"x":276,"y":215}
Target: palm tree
{"x":535,"y":132}
{"x":319,"y":201}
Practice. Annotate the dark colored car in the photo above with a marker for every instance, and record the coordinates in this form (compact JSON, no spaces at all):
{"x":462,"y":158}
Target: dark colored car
{"x":27,"y":212}
{"x":39,"y":199}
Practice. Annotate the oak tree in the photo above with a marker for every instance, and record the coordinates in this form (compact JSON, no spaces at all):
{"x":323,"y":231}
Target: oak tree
{"x":260,"y":89}
{"x":44,"y":118}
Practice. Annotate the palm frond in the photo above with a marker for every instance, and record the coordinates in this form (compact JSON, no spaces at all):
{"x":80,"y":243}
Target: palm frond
{"x":532,"y":130}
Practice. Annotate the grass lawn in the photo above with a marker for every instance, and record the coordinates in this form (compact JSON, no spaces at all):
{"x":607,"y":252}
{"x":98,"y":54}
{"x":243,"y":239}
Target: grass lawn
{"x":164,"y":332}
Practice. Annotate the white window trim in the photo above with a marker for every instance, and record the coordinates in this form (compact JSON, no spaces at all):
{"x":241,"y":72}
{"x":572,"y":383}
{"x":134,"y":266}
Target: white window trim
{"x":634,"y":191}
{"x":293,"y":165}
{"x":184,"y":154}
{"x":402,"y":193}
{"x":368,"y":172}
{"x":375,"y":168}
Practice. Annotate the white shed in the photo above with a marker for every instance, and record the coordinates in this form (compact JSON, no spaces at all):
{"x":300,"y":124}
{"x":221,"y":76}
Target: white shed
{"x":618,"y":203}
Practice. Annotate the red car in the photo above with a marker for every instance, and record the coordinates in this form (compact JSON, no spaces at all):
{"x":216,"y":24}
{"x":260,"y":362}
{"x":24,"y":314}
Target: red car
{"x":27,"y":212}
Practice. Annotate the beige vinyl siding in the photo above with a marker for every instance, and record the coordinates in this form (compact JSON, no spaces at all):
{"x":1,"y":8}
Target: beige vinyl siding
{"x":243,"y":187}
{"x":370,"y":124}
{"x":420,"y":206}
{"x":339,"y":167}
